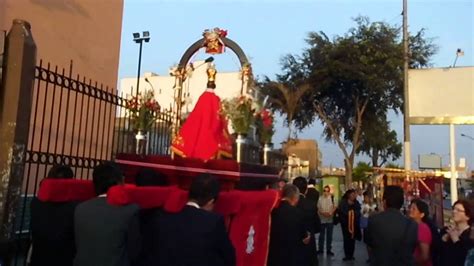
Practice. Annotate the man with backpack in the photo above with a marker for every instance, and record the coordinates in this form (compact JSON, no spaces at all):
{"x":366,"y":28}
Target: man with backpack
{"x":391,"y":236}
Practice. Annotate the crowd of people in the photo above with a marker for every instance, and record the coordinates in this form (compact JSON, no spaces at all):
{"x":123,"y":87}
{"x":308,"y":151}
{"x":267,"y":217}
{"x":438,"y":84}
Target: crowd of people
{"x":391,"y":237}
{"x":96,"y":233}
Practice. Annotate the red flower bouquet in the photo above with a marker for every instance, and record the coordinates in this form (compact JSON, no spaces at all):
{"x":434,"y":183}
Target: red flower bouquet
{"x":143,"y":110}
{"x":264,"y":120}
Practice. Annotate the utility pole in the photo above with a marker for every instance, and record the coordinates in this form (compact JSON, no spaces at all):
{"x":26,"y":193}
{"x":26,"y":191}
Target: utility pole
{"x":406,"y":118}
{"x":452,"y":157}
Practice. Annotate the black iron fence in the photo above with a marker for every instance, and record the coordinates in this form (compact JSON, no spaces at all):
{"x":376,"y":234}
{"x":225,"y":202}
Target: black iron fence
{"x":78,"y":123}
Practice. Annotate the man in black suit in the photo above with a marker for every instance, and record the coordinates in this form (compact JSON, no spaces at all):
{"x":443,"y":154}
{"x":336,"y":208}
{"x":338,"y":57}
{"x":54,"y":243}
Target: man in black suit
{"x":106,"y":235}
{"x":288,"y":235}
{"x":195,"y":236}
{"x":148,"y":178}
{"x":52,"y":226}
{"x":312,"y":190}
{"x":311,"y":218}
{"x":391,"y":236}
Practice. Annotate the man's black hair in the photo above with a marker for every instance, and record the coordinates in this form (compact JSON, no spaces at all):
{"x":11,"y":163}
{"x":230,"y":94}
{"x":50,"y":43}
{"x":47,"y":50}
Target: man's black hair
{"x":393,"y":196}
{"x":301,"y":183}
{"x":312,"y":181}
{"x":60,"y":171}
{"x":348,"y":193}
{"x":203,"y":189}
{"x":106,"y":175}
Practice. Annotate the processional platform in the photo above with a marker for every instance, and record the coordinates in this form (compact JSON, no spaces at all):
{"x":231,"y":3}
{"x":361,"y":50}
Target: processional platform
{"x":181,"y":171}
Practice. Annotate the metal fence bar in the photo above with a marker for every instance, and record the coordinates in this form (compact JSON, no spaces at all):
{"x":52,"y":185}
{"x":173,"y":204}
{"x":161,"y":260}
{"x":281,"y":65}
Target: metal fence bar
{"x":113,"y":113}
{"x":78,"y":84}
{"x":67,"y":85}
{"x":161,"y":132}
{"x":59,"y":114}
{"x":85,"y":88}
{"x":44,"y":75}
{"x":96,"y":92}
{"x":104,"y":131}
{"x":123,"y":129}
{"x":52,"y":112}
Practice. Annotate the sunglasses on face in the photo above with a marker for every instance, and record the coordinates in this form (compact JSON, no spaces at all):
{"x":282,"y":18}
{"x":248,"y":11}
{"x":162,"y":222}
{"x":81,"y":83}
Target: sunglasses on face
{"x":326,"y":190}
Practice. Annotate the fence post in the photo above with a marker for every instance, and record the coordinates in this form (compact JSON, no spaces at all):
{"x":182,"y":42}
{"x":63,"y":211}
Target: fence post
{"x":15,"y":107}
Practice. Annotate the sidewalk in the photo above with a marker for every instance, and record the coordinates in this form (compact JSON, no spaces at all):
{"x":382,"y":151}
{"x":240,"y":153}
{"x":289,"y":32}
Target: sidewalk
{"x":338,"y":249}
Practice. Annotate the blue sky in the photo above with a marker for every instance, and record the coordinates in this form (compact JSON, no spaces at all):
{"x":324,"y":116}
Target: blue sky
{"x":267,"y":30}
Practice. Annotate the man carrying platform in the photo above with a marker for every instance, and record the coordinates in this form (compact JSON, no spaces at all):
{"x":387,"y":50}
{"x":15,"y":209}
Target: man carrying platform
{"x":204,"y":134}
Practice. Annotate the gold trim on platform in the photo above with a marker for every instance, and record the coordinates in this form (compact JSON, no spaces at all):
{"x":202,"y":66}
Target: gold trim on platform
{"x":221,"y":153}
{"x":457,"y":120}
{"x":178,"y":152}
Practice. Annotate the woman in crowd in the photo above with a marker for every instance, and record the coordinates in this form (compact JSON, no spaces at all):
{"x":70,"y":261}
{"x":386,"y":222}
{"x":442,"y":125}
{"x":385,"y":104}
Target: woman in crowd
{"x":349,"y":215}
{"x":419,"y":211}
{"x":470,"y":255}
{"x":456,"y":241}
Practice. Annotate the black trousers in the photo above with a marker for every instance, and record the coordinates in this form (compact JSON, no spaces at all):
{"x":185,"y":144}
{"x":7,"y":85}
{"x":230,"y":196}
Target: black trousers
{"x":312,"y":251}
{"x":349,"y":243}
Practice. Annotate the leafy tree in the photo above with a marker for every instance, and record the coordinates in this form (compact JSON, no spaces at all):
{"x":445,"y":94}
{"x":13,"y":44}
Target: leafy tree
{"x":352,"y":77}
{"x":361,"y":171}
{"x":379,"y":142}
{"x":393,"y":165}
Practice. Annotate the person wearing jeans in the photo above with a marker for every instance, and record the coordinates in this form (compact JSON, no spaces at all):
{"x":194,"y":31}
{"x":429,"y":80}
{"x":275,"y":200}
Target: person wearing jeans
{"x":326,"y":209}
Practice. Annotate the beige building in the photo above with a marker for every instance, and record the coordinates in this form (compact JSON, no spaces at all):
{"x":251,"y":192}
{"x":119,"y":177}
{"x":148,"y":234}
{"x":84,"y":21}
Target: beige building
{"x":308,"y":153}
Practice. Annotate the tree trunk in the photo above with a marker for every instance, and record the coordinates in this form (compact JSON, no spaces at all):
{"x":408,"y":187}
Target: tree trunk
{"x":290,"y":125}
{"x":349,"y":168}
{"x":375,"y":158}
{"x":289,"y":129}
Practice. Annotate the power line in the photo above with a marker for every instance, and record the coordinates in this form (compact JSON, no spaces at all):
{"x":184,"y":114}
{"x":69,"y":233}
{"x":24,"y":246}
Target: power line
{"x":396,"y":17}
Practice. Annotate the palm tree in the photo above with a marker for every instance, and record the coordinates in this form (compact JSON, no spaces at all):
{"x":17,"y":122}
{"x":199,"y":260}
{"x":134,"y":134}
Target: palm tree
{"x":285,"y":99}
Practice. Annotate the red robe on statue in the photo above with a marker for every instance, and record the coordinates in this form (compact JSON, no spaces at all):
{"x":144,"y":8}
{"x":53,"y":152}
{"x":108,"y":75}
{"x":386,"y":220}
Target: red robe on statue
{"x":204,"y":134}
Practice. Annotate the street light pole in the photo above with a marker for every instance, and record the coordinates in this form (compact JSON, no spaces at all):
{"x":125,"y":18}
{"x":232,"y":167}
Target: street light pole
{"x":459,"y":53}
{"x":406,"y":120}
{"x":139,"y":66}
{"x":139,"y":39}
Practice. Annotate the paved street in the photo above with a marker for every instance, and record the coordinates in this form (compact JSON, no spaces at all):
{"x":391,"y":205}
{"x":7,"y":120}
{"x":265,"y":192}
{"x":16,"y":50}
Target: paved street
{"x":338,"y":249}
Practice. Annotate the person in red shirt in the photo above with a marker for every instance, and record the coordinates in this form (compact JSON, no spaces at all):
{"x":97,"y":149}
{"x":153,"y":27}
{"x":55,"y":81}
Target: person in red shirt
{"x":419,"y":212}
